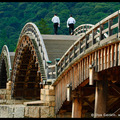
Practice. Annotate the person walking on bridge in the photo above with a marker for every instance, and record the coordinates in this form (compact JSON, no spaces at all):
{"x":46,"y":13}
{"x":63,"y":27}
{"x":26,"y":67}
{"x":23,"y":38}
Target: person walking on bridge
{"x":56,"y":22}
{"x":70,"y":24}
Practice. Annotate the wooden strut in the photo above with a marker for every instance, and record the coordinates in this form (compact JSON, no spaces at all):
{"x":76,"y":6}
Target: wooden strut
{"x":100,"y":93}
{"x":100,"y":98}
{"x":77,"y":106}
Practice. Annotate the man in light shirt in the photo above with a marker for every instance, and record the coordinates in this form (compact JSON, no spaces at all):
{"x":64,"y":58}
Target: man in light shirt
{"x":56,"y":22}
{"x":70,"y":24}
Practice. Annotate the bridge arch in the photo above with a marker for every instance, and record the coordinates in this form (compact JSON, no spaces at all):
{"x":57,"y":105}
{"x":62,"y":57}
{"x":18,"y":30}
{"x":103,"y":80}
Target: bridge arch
{"x":73,"y":67}
{"x":82,"y":29}
{"x":30,"y":64}
{"x":5,"y":67}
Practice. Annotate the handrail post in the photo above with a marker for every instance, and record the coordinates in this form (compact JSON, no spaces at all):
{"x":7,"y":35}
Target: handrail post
{"x":49,"y":63}
{"x":79,"y":47}
{"x":83,"y":29}
{"x":109,"y":27}
{"x":118,"y":22}
{"x":93,"y":40}
{"x":86,"y":38}
{"x":56,"y":66}
{"x":65,"y":61}
{"x":80,"y":29}
{"x":69,"y":57}
{"x":61,"y":66}
{"x":74,"y":51}
{"x":101,"y":35}
{"x":86,"y":27}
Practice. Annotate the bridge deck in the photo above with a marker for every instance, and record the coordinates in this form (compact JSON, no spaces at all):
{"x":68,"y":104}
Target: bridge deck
{"x":57,"y":45}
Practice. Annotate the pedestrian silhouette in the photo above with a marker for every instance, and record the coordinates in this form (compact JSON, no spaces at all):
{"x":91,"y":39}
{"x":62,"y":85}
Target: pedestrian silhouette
{"x":56,"y":22}
{"x":70,"y":24}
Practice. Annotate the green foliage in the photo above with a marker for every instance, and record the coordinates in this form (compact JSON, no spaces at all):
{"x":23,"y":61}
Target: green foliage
{"x":43,"y":27}
{"x":14,"y":15}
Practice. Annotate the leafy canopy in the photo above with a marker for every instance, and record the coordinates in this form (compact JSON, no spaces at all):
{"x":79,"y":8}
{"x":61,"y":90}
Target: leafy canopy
{"x":14,"y":15}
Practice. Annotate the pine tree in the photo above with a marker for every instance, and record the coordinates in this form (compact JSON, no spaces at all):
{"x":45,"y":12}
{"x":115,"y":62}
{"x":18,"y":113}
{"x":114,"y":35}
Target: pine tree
{"x":43,"y":27}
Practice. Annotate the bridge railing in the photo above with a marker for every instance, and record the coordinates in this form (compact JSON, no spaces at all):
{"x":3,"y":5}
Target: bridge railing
{"x":110,"y":25}
{"x":51,"y":72}
{"x":31,"y":29}
{"x":82,"y":29}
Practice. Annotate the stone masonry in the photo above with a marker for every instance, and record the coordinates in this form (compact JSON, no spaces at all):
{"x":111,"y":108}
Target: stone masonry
{"x":44,"y":108}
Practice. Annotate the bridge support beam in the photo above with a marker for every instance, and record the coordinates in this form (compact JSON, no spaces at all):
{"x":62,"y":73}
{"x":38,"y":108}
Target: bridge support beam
{"x":77,"y":108}
{"x":100,"y":98}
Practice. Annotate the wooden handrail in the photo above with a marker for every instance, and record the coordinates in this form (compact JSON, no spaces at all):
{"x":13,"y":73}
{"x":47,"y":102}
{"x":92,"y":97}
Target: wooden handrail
{"x":91,"y":37}
{"x":81,"y":28}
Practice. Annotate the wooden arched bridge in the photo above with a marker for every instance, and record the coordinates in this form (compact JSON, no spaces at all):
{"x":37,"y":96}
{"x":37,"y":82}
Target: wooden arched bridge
{"x":83,"y":68}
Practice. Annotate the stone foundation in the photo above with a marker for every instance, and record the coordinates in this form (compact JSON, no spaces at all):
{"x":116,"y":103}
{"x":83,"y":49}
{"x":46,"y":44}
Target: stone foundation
{"x":44,"y":108}
{"x":12,"y":111}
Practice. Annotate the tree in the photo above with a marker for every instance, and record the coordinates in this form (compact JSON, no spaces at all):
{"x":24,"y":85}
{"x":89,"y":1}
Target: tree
{"x":14,"y":15}
{"x":43,"y":27}
{"x":3,"y":36}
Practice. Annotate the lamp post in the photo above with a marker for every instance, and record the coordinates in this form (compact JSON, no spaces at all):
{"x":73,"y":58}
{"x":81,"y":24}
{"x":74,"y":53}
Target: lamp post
{"x":91,"y":70}
{"x":69,"y":89}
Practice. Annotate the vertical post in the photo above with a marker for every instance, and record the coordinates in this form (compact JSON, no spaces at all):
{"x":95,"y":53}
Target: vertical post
{"x":77,"y":108}
{"x":79,"y":47}
{"x":116,"y":55}
{"x":83,"y":29}
{"x":56,"y":66}
{"x":101,"y":35}
{"x":74,"y":50}
{"x":86,"y":27}
{"x":93,"y":40}
{"x":100,"y":98}
{"x":112,"y":56}
{"x":118,"y":24}
{"x":69,"y":54}
{"x":61,"y":66}
{"x":91,"y":72}
{"x":65,"y":61}
{"x":105,"y":58}
{"x":69,"y":89}
{"x":109,"y":27}
{"x":49,"y":70}
{"x":108,"y":57}
{"x":86,"y":39}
